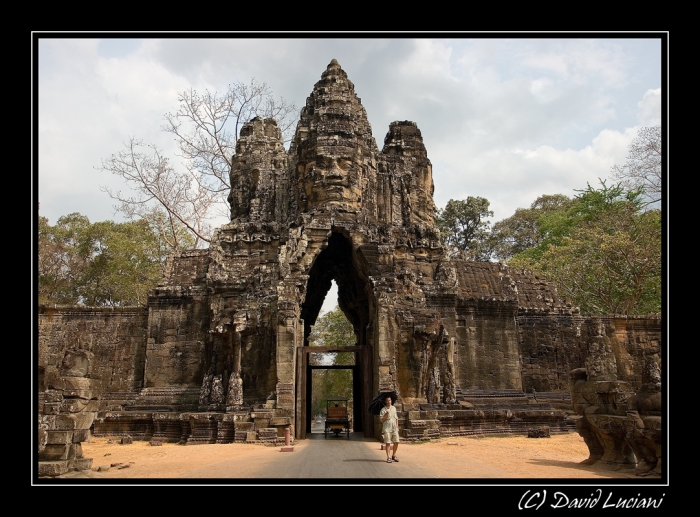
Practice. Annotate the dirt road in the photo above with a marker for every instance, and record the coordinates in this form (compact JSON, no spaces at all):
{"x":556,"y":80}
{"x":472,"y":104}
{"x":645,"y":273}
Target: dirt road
{"x":337,"y":458}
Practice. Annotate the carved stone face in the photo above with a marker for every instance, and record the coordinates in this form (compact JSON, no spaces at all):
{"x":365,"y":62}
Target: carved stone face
{"x":332,"y":181}
{"x":600,"y":361}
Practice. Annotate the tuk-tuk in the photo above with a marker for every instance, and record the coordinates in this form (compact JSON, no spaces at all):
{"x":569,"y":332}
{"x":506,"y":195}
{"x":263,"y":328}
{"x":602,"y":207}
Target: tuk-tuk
{"x":337,"y":419}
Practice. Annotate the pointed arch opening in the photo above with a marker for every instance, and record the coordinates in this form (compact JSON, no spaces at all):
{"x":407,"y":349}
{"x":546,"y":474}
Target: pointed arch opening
{"x":335,"y":264}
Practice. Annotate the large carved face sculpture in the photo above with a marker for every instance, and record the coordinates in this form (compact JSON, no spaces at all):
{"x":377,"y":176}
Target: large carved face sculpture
{"x":332,"y":180}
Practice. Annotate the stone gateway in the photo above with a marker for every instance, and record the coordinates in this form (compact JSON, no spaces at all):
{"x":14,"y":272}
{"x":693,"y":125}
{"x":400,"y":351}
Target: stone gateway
{"x":221,"y":354}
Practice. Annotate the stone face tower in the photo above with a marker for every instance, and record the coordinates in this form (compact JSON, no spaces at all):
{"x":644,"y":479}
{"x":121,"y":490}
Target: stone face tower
{"x":333,"y":207}
{"x":259,"y":176}
{"x":333,"y":153}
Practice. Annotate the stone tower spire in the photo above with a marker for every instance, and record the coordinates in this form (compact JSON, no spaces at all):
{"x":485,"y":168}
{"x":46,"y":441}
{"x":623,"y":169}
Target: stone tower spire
{"x":333,"y":148}
{"x":259,"y":173}
{"x":405,"y":159}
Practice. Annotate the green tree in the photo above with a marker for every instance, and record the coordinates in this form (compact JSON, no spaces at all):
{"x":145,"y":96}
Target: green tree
{"x":100,"y":264}
{"x":126,"y":263}
{"x":172,"y":235}
{"x":60,"y":262}
{"x":334,"y":330}
{"x":463,"y":226}
{"x":603,"y":253}
{"x":523,"y":229}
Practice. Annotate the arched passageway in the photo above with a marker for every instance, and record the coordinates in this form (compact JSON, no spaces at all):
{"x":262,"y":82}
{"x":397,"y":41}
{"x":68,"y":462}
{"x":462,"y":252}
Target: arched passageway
{"x":337,"y":263}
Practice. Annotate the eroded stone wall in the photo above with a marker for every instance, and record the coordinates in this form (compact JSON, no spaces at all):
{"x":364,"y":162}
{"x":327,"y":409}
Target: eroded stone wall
{"x":115,"y":337}
{"x":552,"y":344}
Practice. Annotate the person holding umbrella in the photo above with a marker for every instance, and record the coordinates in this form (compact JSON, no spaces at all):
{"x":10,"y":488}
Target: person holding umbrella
{"x":390,"y":429}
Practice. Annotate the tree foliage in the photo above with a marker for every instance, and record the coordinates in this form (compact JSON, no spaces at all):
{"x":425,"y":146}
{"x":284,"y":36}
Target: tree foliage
{"x":603,"y":252}
{"x":334,"y":330}
{"x":97,"y":264}
{"x":642,"y":170}
{"x":59,"y":260}
{"x":524,"y":229}
{"x":463,"y":226}
{"x":188,"y":193}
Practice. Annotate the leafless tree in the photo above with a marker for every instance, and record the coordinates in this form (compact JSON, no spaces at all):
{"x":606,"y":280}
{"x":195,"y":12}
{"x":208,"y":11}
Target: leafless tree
{"x":206,"y":128}
{"x":642,"y":170}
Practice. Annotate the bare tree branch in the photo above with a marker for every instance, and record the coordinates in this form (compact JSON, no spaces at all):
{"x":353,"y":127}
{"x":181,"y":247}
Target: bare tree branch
{"x":206,"y":128}
{"x":642,"y":171}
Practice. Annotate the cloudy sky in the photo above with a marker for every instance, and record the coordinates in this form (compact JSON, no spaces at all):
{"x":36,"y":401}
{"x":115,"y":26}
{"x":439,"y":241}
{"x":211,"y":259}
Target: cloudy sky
{"x":508,"y":119}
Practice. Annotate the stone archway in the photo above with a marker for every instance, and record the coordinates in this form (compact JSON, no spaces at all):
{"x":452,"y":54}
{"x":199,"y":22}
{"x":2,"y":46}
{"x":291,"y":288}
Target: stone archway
{"x":338,"y":262}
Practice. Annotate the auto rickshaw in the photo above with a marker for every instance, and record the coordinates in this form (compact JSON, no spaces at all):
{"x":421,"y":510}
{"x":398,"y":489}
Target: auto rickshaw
{"x":337,"y":420}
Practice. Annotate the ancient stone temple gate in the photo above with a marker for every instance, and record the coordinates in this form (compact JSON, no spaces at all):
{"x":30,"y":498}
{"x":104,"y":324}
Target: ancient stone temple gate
{"x":221,"y":354}
{"x":334,"y":207}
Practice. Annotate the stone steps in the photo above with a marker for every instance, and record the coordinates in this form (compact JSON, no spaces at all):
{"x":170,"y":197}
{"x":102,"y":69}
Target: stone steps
{"x":193,"y":427}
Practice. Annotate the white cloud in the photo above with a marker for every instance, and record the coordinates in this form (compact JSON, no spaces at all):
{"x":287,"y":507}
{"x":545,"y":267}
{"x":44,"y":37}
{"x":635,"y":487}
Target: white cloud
{"x":650,"y":108}
{"x":514,"y":178}
{"x":541,"y":88}
{"x":429,"y":58}
{"x":581,"y":61}
{"x":88,"y":107}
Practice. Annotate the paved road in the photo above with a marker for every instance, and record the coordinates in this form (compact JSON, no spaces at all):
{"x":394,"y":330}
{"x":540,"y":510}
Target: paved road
{"x":319,"y":457}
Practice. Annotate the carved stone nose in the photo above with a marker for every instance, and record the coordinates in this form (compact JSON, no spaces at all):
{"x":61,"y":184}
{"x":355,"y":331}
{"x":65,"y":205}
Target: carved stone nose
{"x":335,"y":171}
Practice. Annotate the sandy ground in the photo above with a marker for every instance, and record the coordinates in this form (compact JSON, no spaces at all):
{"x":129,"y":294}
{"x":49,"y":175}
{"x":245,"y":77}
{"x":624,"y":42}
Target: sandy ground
{"x":516,"y":457}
